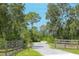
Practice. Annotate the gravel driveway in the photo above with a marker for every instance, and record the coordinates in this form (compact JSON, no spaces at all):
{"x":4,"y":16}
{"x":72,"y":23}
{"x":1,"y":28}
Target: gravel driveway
{"x":44,"y":49}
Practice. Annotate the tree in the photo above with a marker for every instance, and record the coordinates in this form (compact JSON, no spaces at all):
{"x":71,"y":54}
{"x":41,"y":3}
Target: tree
{"x":64,"y":20}
{"x":53,"y":14}
{"x":11,"y":18}
{"x":36,"y":34}
{"x":16,"y":18}
{"x":25,"y":34}
{"x":72,"y":23}
{"x":32,"y":18}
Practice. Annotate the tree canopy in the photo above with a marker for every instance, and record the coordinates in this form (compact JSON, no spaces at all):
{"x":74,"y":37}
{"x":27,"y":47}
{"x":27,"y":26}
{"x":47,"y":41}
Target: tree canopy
{"x":63,"y":20}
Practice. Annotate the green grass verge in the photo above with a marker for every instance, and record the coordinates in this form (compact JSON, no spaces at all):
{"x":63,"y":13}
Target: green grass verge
{"x":28,"y":52}
{"x":75,"y":51}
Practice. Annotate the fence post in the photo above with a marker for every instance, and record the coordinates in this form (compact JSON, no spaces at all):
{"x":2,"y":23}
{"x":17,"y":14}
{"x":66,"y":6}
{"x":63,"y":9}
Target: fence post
{"x":55,"y":43}
{"x":5,"y":43}
{"x":6,"y":50}
{"x":65,"y":43}
{"x":77,"y":44}
{"x":16,"y":47}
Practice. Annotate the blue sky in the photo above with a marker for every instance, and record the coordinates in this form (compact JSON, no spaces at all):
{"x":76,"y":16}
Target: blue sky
{"x":39,"y":8}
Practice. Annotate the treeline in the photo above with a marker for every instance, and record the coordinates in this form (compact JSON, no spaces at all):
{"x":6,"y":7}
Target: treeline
{"x":63,"y":20}
{"x":63,"y":23}
{"x":14,"y":23}
{"x":11,"y":20}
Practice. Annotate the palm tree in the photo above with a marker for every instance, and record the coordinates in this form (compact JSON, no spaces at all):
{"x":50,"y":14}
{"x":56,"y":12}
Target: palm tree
{"x":32,"y":17}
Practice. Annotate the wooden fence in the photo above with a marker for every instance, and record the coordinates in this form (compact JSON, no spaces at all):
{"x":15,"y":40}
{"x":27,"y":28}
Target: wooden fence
{"x":9,"y":48}
{"x":65,"y":43}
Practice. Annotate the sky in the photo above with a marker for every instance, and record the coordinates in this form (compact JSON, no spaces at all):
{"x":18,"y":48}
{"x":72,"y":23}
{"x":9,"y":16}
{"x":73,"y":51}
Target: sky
{"x":39,"y":8}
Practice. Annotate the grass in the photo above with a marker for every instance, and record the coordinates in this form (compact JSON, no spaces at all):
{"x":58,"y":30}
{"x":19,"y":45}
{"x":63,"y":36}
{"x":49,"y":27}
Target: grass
{"x":28,"y":52}
{"x":75,"y":51}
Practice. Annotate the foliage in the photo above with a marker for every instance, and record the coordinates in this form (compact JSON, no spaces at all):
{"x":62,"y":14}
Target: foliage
{"x":28,"y":52}
{"x":36,"y":34}
{"x":32,"y":17}
{"x":11,"y":20}
{"x":13,"y":23}
{"x":26,"y":38}
{"x":50,"y":39}
{"x":75,"y":51}
{"x":63,"y":21}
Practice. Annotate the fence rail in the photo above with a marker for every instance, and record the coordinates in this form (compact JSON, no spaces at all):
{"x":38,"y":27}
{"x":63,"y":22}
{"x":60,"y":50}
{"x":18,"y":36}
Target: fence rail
{"x":65,"y":43}
{"x":9,"y":48}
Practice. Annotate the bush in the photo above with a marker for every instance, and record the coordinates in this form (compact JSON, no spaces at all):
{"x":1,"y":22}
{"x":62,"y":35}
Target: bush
{"x":50,"y":39}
